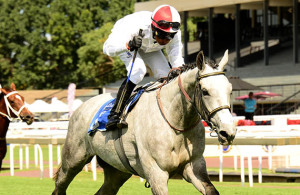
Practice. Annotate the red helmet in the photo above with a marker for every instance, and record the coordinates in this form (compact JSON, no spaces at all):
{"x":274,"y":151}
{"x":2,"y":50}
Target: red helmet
{"x":166,"y":18}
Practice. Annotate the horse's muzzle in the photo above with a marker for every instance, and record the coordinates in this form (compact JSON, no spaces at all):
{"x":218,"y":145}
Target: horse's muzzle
{"x":28,"y":118}
{"x":225,"y":138}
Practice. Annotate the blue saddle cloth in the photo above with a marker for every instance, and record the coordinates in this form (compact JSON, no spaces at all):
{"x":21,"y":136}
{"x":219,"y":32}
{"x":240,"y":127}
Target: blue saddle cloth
{"x":100,"y":119}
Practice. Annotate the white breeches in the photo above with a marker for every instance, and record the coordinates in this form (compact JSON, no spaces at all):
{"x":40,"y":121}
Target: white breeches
{"x":155,"y":60}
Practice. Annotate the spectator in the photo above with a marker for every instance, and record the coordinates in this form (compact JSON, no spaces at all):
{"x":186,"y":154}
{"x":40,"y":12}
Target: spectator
{"x":250,"y":106}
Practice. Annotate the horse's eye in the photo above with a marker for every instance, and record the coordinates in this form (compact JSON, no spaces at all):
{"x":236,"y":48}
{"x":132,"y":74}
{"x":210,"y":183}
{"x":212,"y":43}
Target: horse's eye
{"x":11,"y":102}
{"x":205,"y":93}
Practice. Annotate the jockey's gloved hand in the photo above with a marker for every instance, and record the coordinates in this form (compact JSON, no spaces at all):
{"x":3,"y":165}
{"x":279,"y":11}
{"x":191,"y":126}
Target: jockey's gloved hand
{"x":136,"y":42}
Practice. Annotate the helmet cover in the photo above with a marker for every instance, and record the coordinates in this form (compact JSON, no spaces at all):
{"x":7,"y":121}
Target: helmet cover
{"x":166,"y":18}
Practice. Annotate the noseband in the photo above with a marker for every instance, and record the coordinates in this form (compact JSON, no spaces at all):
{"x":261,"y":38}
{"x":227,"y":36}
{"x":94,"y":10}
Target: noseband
{"x":9,"y":108}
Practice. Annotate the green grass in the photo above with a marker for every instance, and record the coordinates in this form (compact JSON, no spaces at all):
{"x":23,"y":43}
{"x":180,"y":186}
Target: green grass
{"x":83,"y":184}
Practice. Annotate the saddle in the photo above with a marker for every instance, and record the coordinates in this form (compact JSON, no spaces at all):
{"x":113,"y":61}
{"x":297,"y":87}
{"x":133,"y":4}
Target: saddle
{"x":100,"y":119}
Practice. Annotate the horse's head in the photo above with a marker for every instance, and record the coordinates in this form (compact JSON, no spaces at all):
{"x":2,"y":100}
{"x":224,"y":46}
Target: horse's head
{"x":15,"y":105}
{"x":213,"y":97}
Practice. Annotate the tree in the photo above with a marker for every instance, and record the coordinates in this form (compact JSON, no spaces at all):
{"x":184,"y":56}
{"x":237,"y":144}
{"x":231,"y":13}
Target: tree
{"x":94,"y":67}
{"x":68,"y":28}
{"x":22,"y":41}
{"x":40,"y":41}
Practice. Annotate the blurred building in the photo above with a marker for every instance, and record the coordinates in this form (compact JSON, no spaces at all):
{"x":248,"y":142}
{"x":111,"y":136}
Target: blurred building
{"x":263,"y":41}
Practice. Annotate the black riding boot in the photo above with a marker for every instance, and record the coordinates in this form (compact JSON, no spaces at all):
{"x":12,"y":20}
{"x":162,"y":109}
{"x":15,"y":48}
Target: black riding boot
{"x":123,"y":95}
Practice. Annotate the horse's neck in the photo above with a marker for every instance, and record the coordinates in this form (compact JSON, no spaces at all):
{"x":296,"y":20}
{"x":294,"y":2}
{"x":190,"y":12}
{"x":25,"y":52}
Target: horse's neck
{"x":178,"y":110}
{"x":4,"y":122}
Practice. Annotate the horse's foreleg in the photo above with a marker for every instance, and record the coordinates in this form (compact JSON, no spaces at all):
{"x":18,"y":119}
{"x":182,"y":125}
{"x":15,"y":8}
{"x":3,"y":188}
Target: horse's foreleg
{"x":158,"y":179}
{"x":196,"y":173}
{"x":73,"y":161}
{"x":113,"y":179}
{"x":3,"y":149}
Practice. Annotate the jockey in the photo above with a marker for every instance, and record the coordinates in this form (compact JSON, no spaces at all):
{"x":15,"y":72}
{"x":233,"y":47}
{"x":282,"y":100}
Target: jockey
{"x":160,"y":29}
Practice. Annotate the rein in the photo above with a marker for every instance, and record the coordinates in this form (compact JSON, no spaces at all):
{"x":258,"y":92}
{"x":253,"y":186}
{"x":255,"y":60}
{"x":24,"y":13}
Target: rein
{"x":207,"y":116}
{"x":9,"y":108}
{"x":185,"y":95}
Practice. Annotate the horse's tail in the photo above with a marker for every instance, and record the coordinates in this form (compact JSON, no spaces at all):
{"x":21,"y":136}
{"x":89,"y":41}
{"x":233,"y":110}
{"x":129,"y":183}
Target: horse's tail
{"x":56,"y":173}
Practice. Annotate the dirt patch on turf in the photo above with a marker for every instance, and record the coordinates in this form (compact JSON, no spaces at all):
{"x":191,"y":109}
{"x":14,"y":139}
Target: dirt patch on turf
{"x":29,"y":173}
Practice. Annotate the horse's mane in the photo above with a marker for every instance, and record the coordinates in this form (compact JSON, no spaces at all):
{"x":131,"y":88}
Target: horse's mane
{"x":184,"y":68}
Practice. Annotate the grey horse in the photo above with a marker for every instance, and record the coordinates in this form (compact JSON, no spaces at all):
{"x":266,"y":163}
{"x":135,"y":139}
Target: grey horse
{"x":164,"y":135}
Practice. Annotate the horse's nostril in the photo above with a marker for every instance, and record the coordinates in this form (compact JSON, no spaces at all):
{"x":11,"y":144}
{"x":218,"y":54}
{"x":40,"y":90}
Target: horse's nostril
{"x":224,"y":134}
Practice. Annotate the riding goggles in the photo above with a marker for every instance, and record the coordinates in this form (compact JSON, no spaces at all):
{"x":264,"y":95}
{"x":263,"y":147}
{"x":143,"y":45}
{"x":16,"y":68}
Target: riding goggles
{"x":163,"y":35}
{"x":165,"y":24}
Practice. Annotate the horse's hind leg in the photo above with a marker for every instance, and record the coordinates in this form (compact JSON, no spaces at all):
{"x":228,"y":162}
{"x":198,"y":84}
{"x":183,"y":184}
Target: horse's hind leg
{"x":196,"y":173}
{"x":73,"y":161}
{"x":113,"y":179}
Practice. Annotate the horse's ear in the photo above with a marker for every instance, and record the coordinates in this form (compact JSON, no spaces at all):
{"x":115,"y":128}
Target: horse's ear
{"x":2,"y":90}
{"x":224,"y":60}
{"x":200,"y":60}
{"x":13,"y":86}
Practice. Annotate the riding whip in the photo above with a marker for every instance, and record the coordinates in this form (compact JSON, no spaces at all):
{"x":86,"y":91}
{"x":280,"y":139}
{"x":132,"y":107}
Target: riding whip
{"x":125,"y":88}
{"x":134,"y":56}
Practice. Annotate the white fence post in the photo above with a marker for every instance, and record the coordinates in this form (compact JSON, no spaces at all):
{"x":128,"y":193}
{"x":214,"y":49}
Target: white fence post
{"x":41,"y":160}
{"x":35,"y":155}
{"x":94,"y":164}
{"x":27,"y":156}
{"x":221,"y":164}
{"x":11,"y":159}
{"x":242,"y":170}
{"x":21,"y":157}
{"x":250,"y":175}
{"x":50,"y":160}
{"x":259,"y":168}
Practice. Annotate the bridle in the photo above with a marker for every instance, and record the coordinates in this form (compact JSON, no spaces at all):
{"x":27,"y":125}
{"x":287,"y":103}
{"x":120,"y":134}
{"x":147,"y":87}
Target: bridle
{"x":206,"y":115}
{"x":9,"y":108}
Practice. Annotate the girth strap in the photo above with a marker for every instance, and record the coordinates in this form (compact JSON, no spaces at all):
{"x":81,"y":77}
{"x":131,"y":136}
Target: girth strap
{"x":117,"y":135}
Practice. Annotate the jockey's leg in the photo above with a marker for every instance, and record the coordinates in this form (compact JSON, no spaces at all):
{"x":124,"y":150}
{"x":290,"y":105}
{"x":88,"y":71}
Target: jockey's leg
{"x":196,"y":173}
{"x":122,"y":97}
{"x":157,"y":63}
{"x":138,"y":72}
